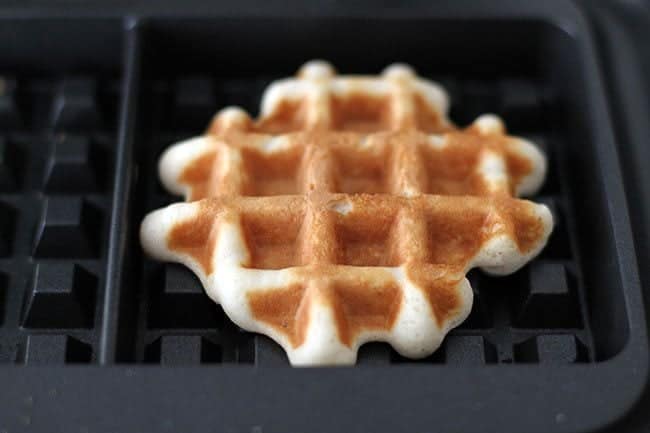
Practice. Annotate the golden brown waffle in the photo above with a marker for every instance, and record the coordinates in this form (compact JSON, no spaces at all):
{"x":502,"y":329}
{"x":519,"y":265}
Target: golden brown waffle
{"x":349,"y":212}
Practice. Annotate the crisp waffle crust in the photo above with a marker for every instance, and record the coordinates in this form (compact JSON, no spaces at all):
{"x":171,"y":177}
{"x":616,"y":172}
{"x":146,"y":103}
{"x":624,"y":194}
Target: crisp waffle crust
{"x":349,"y":212}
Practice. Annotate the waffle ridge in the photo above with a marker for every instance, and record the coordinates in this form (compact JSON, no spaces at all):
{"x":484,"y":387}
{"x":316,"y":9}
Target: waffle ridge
{"x":349,"y":212}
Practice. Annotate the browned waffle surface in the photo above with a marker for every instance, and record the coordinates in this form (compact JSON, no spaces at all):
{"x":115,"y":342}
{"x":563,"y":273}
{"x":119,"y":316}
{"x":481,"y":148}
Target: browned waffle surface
{"x":349,"y":212}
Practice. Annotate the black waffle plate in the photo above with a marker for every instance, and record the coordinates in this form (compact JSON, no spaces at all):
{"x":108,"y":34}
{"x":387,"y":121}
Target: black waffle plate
{"x":96,"y":337}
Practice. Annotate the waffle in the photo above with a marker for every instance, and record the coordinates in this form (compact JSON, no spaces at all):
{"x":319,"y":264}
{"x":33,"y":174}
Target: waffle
{"x":349,"y":212}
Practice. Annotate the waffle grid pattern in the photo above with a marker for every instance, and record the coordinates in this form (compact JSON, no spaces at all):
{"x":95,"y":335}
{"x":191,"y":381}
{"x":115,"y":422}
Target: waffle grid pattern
{"x":318,"y":99}
{"x":55,"y":171}
{"x":494,"y":330}
{"x":316,"y":170}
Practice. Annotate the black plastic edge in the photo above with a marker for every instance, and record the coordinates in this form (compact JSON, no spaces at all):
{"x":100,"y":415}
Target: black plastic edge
{"x":630,"y":110}
{"x":71,"y":9}
{"x":121,"y":191}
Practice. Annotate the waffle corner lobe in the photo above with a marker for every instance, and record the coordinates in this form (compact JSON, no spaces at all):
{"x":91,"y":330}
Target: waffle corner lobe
{"x":349,"y":212}
{"x":440,"y":290}
{"x":360,"y":308}
{"x":199,"y":173}
{"x":197,"y":236}
{"x":284,"y":309}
